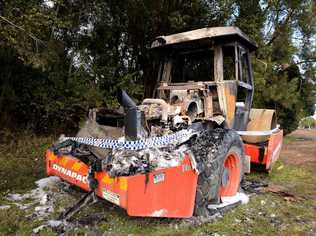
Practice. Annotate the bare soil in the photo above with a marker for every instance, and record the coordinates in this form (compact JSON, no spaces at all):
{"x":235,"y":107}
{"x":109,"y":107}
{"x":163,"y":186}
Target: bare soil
{"x":301,"y":149}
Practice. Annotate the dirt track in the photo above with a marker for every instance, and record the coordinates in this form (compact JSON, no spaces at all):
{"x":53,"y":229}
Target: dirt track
{"x":301,"y":150}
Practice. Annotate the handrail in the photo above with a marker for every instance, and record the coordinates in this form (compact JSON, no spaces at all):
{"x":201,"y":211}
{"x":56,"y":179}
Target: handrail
{"x":259,"y":133}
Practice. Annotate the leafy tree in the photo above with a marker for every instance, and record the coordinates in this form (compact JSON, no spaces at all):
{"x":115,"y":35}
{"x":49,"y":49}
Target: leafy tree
{"x":308,"y":123}
{"x":59,"y":58}
{"x":40,"y":87}
{"x":280,"y":82}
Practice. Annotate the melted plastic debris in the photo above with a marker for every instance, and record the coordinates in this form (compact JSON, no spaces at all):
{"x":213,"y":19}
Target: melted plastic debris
{"x":141,"y":156}
{"x":130,"y":162}
{"x":218,"y":210}
{"x":227,"y":201}
{"x":125,"y":163}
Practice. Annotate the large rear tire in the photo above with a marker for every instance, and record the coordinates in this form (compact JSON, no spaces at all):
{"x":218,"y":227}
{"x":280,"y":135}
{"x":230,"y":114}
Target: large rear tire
{"x":220,"y":156}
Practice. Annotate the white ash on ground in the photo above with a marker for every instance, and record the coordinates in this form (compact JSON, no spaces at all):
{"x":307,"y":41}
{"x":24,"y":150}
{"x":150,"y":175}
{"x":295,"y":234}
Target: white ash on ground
{"x":39,"y":198}
{"x":40,"y":203}
{"x":43,"y":201}
{"x":49,"y":224}
{"x":43,"y":204}
{"x":4,"y":207}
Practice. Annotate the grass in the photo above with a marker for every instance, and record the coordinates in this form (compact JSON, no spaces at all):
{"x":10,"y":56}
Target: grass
{"x":266,"y":214}
{"x":22,"y":163}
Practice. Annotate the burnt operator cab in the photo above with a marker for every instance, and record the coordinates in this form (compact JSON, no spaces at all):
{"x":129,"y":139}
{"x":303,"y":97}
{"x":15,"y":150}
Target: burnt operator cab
{"x":212,"y":67}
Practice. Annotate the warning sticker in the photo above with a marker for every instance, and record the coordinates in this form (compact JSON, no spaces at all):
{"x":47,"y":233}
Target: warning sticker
{"x":111,"y":197}
{"x":159,"y":178}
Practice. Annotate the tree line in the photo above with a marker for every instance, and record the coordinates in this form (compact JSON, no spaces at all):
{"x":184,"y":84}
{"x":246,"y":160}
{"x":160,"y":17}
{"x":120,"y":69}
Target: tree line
{"x":58,"y":58}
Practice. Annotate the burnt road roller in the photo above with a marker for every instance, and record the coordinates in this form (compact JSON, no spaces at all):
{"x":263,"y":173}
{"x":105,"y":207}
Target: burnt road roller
{"x":184,"y":147}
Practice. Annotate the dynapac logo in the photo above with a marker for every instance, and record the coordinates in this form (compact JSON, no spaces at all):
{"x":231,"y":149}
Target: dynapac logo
{"x":70,"y":173}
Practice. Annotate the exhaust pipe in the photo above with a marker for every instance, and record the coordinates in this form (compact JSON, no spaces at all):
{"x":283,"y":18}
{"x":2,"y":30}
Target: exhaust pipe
{"x":125,"y":100}
{"x":134,"y":118}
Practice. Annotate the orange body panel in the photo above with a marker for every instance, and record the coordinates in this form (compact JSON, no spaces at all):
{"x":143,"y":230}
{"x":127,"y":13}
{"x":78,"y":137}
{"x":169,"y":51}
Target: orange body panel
{"x":271,"y":150}
{"x":172,"y":197}
{"x":168,"y":192}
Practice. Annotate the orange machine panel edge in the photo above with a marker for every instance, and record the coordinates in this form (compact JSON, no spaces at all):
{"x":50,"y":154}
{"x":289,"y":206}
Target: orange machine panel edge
{"x":167,"y":192}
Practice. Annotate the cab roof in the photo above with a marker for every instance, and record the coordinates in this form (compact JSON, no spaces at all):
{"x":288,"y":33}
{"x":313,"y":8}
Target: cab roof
{"x":228,"y":33}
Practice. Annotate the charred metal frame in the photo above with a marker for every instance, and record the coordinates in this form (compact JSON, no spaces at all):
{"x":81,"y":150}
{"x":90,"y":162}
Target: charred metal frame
{"x":227,"y":90}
